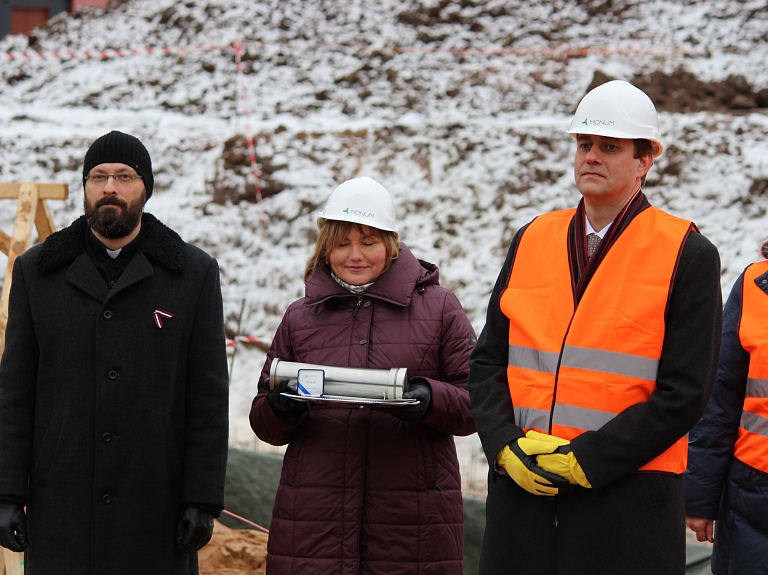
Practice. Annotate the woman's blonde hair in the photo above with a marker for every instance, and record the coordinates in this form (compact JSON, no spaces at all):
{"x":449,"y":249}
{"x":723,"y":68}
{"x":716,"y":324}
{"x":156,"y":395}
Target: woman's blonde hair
{"x":333,"y":232}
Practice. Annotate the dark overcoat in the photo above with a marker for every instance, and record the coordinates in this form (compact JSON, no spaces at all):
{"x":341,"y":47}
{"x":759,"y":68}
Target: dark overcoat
{"x":363,"y":492}
{"x":108,"y":422}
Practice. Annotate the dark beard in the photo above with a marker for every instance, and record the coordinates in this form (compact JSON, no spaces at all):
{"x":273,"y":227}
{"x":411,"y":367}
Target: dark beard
{"x":114,"y":224}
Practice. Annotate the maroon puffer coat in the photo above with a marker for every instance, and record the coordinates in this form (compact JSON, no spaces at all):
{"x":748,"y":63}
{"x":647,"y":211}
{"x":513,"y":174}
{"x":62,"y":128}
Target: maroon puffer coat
{"x":361,"y":491}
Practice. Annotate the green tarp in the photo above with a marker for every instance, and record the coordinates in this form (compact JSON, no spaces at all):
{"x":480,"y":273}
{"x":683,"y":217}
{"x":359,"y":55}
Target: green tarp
{"x":252,"y":480}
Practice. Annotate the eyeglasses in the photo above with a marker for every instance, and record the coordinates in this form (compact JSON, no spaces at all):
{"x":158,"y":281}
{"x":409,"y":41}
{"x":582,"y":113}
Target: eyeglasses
{"x":99,"y":180}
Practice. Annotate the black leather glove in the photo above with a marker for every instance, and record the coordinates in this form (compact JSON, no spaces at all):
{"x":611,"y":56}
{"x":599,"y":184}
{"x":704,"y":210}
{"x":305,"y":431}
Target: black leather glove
{"x":194,"y":530}
{"x":285,"y":406}
{"x":13,"y":526}
{"x":418,"y":388}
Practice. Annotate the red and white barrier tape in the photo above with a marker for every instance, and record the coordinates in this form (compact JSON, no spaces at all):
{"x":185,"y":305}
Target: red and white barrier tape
{"x":246,"y":339}
{"x":253,"y":159}
{"x":114,"y":53}
{"x":106,"y":54}
{"x":243,"y":519}
{"x":249,"y":133}
{"x":555,"y":52}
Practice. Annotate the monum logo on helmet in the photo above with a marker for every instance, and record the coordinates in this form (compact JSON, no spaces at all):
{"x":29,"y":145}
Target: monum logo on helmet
{"x":352,"y":212}
{"x":362,"y":201}
{"x":588,"y":122}
{"x":617,"y":109}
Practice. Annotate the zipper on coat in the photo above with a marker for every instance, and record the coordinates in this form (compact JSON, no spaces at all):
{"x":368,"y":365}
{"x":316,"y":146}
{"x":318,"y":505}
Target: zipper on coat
{"x":357,"y":307}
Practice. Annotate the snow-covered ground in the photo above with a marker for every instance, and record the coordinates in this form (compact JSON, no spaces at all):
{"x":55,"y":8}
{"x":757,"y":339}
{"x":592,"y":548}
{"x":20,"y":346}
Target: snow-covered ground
{"x":458,"y":108}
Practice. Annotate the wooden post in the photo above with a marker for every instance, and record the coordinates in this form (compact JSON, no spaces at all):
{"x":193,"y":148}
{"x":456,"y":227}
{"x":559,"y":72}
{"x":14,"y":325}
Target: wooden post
{"x":31,"y":209}
{"x":22,"y":232}
{"x":13,"y":563}
{"x":5,"y":245}
{"x":45,"y":191}
{"x":43,"y":221}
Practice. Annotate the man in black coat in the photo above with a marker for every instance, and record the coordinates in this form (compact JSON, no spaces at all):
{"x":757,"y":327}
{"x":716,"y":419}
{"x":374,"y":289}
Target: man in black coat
{"x":113,"y":387}
{"x":597,"y":356}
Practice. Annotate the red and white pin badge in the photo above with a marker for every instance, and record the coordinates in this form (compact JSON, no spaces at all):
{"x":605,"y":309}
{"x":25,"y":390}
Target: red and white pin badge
{"x":159,"y":314}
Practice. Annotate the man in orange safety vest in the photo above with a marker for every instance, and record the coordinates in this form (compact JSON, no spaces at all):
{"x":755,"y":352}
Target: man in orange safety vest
{"x":597,"y":357}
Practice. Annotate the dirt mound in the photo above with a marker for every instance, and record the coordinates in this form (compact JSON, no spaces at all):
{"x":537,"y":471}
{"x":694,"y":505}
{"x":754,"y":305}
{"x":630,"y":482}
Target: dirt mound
{"x":234,"y":552}
{"x":233,"y":179}
{"x":683,"y":92}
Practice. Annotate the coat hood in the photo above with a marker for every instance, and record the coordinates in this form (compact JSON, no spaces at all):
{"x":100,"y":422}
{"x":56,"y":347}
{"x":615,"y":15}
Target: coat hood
{"x":159,"y":243}
{"x":396,"y":285}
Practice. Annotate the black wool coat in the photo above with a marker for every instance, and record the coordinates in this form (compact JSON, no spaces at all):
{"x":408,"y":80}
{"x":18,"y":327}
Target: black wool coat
{"x":108,"y":422}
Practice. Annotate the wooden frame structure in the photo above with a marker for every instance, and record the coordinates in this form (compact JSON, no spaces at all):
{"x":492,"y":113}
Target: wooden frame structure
{"x":13,"y":563}
{"x":30,"y":209}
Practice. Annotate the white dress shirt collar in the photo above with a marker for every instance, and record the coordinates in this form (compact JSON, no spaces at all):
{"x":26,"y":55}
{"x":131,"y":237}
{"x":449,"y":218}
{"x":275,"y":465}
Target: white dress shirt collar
{"x":591,"y":230}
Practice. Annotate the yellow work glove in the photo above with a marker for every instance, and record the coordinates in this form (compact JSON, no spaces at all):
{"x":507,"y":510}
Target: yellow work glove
{"x":519,"y":461}
{"x":560,"y":460}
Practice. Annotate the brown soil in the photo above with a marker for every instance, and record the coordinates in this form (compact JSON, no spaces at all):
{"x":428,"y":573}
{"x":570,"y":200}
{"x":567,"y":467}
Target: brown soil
{"x":233,"y":173}
{"x":234,"y":552}
{"x":683,"y":92}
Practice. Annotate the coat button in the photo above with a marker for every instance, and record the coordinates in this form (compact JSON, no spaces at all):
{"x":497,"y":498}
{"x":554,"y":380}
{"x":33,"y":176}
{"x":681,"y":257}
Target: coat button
{"x":112,"y":374}
{"x":106,"y":438}
{"x":106,"y":499}
{"x":363,"y":341}
{"x":107,"y":314}
{"x":367,"y":304}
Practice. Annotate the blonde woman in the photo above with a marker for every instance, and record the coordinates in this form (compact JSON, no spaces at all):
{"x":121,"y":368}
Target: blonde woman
{"x":366,"y":491}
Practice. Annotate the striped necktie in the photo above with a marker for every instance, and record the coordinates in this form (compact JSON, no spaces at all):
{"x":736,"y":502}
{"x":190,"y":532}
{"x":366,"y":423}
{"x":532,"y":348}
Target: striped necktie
{"x":593,"y":240}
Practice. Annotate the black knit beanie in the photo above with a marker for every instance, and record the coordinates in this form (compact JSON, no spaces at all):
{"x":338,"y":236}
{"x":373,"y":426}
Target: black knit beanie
{"x":119,"y":148}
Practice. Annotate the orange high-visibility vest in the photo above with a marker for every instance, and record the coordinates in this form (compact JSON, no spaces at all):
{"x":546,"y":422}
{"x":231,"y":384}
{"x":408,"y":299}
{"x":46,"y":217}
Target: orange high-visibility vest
{"x":752,"y":442}
{"x":572,"y":370}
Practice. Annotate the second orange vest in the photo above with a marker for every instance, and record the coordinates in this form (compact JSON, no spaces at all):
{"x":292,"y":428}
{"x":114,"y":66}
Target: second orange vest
{"x":573,"y":369}
{"x":752,"y":442}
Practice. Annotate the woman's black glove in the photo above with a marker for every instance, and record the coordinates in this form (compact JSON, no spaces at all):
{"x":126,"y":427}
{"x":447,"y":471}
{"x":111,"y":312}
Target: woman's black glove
{"x":194,"y":530}
{"x":418,"y":388}
{"x":285,"y":407}
{"x":13,"y":526}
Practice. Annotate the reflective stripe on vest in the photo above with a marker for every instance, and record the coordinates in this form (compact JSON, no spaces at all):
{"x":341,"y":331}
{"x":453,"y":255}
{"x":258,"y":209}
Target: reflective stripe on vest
{"x":594,"y":358}
{"x":757,"y":387}
{"x":584,"y":358}
{"x":752,"y":443}
{"x":579,"y":357}
{"x":754,"y":423}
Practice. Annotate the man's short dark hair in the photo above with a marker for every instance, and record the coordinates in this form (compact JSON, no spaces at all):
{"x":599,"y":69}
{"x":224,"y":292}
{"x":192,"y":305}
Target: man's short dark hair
{"x":642,"y":147}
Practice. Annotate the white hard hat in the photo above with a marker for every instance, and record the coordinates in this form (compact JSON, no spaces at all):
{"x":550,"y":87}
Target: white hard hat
{"x":618,"y":109}
{"x":362,"y":201}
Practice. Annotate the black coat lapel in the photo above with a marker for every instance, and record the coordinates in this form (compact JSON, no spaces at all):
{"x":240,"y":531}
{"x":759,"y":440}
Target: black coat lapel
{"x":138,"y":269}
{"x":84,"y":275}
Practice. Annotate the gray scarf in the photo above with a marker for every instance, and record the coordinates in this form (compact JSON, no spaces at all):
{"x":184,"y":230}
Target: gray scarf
{"x":357,"y":290}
